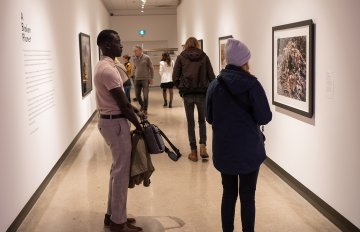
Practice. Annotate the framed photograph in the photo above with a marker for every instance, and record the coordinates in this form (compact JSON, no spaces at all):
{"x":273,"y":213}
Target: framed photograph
{"x":100,"y":53}
{"x":201,"y":43}
{"x":85,"y":64}
{"x":292,"y":67}
{"x":222,"y":42}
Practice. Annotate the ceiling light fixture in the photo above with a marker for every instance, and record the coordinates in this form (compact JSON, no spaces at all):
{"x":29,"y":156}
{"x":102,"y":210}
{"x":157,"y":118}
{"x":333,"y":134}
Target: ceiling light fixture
{"x":143,"y":2}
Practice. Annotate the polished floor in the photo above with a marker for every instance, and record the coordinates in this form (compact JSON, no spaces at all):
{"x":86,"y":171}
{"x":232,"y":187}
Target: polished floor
{"x":183,"y":196}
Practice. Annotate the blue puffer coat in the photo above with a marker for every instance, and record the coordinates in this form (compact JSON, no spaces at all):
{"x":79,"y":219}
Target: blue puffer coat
{"x":238,"y":144}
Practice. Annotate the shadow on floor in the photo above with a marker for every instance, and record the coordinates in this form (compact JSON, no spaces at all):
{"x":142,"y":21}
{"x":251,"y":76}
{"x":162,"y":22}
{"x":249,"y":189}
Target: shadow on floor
{"x":159,"y":224}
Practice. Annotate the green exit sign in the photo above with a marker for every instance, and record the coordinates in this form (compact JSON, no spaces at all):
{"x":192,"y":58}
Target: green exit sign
{"x":142,"y":32}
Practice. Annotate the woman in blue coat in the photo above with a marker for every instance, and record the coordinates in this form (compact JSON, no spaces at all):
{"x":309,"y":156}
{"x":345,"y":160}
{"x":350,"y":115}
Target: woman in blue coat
{"x":236,"y":106}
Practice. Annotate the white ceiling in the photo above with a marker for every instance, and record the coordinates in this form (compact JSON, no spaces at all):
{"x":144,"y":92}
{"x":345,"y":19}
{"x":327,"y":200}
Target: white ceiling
{"x":133,"y":7}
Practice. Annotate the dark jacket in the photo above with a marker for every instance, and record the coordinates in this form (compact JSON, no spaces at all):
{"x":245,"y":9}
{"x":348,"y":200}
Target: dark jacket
{"x":238,"y":144}
{"x":141,"y":167}
{"x":192,"y":72}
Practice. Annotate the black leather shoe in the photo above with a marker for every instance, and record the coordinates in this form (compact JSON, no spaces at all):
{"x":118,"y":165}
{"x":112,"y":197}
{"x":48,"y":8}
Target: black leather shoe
{"x":107,"y":220}
{"x":125,"y":227}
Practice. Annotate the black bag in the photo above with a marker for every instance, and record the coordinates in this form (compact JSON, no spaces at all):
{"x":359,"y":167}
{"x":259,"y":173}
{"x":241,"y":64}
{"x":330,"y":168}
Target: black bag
{"x":240,"y":103}
{"x":154,"y":141}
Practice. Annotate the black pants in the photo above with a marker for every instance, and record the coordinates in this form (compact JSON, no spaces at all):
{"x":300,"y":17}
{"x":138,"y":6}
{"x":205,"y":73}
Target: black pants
{"x":190,"y":101}
{"x":245,"y":186}
{"x":142,"y":85}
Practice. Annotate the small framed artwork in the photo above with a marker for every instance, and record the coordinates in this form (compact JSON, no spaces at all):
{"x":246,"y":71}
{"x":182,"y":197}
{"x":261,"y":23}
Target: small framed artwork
{"x":222,"y":42}
{"x":85,"y":64}
{"x":201,"y":43}
{"x":100,"y":53}
{"x":293,"y":66}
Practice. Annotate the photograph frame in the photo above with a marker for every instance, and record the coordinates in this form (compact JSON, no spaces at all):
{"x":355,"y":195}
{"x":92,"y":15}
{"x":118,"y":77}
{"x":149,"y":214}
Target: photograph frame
{"x":222,"y":42}
{"x":85,"y":64}
{"x":293,"y":67}
{"x":201,"y":43}
{"x":100,"y":53}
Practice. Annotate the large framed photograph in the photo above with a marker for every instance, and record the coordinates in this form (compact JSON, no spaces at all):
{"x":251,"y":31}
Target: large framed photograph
{"x":222,"y":43}
{"x":85,"y":64}
{"x":292,"y":67}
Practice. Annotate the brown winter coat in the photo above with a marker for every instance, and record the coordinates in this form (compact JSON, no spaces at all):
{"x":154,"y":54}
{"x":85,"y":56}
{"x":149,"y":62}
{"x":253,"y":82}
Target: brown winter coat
{"x":193,"y":72}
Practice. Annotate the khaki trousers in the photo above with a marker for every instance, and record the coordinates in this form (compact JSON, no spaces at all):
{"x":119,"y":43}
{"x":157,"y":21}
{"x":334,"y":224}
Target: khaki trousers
{"x":116,"y":133}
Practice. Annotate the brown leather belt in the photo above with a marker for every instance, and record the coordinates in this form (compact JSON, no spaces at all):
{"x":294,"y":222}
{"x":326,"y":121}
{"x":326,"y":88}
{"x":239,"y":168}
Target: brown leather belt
{"x":114,"y":116}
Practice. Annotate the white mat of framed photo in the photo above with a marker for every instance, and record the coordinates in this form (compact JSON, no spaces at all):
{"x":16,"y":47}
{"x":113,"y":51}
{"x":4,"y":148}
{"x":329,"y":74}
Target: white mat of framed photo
{"x":222,"y":42}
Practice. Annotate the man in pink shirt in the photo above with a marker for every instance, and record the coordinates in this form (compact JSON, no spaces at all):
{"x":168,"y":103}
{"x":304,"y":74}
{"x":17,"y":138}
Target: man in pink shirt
{"x":114,"y":113}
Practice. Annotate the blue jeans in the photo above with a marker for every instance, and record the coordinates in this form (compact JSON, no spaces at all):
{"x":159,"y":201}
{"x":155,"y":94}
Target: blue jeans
{"x":245,"y":186}
{"x":127,"y":92}
{"x":190,"y":101}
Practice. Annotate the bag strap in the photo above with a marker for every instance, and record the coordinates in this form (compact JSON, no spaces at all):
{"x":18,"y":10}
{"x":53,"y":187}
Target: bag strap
{"x":146,"y":123}
{"x":236,"y":99}
{"x":176,"y":150}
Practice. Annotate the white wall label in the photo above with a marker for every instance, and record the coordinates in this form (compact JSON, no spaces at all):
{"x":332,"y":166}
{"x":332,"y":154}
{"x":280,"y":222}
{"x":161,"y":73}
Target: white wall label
{"x":39,"y":78}
{"x":25,"y":30}
{"x":39,"y":74}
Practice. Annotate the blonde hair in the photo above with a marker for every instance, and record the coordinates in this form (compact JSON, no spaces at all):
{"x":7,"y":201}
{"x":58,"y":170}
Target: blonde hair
{"x":192,"y":42}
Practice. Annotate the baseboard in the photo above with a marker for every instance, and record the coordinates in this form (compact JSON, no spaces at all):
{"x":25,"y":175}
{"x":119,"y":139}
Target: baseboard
{"x":330,"y":213}
{"x":24,"y":212}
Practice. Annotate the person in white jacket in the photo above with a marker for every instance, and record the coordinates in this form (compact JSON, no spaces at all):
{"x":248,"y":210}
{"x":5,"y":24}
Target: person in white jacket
{"x":166,"y":71}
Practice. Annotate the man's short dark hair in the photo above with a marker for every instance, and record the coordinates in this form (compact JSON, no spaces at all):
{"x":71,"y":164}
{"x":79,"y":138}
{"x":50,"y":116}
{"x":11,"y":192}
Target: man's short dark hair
{"x":105,"y":36}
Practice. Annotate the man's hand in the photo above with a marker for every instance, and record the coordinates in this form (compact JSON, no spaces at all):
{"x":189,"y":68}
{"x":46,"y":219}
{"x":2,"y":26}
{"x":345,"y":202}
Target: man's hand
{"x":141,"y":115}
{"x":151,"y":81}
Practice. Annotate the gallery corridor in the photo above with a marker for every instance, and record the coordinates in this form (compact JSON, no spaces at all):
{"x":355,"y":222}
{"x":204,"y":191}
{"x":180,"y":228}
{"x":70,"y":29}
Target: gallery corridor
{"x":183,"y":196}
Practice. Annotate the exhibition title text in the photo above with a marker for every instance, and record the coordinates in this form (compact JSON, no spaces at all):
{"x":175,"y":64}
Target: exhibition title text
{"x":25,"y":31}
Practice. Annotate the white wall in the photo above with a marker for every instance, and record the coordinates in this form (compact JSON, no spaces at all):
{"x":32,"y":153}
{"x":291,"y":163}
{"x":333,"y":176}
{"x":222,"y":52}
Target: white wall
{"x":160,"y":30}
{"x":322,"y":152}
{"x":27,"y":154}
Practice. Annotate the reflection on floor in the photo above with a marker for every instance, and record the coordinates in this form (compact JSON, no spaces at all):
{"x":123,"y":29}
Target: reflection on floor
{"x":183,"y":196}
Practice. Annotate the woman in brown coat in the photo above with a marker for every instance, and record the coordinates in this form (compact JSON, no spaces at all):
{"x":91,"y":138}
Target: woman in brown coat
{"x":192,"y":75}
